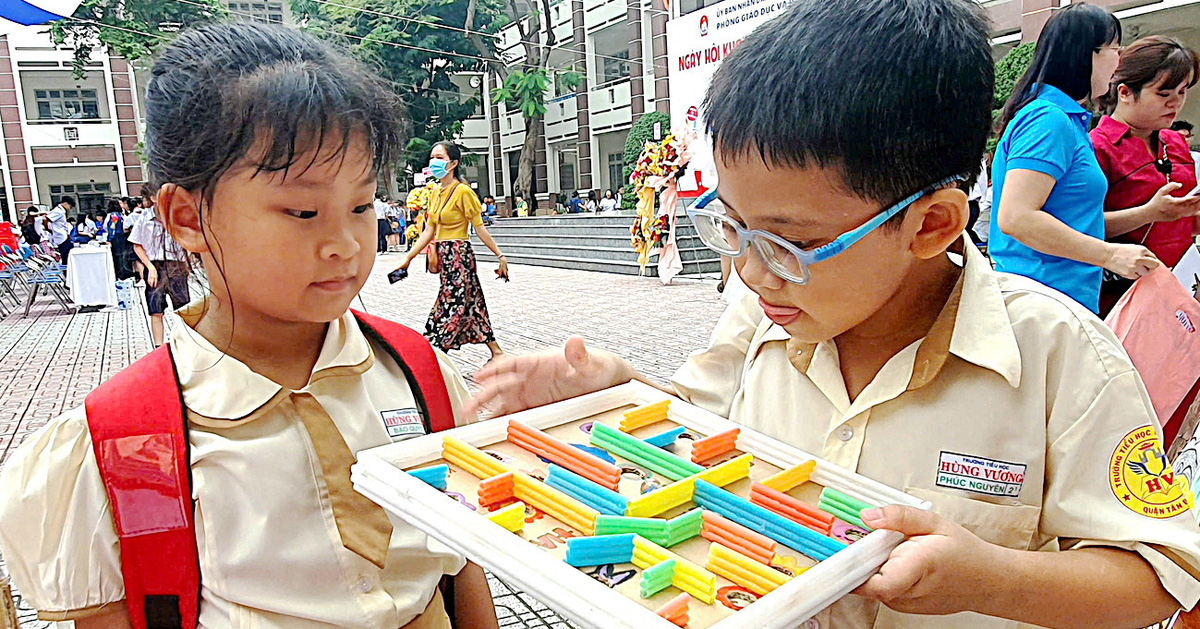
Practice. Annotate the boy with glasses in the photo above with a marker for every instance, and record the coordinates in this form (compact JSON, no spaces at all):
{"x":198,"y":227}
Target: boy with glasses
{"x":1011,"y":408}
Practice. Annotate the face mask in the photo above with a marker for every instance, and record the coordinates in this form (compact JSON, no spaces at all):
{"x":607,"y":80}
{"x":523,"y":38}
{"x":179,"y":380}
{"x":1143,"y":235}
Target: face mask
{"x":439,"y":168}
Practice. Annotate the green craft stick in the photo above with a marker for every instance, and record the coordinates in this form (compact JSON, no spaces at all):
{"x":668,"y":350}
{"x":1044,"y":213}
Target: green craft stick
{"x":695,"y":517}
{"x":669,"y":467}
{"x":841,"y":512}
{"x":853,"y":504}
{"x":615,"y":525}
{"x":645,"y":453}
{"x":656,"y":578}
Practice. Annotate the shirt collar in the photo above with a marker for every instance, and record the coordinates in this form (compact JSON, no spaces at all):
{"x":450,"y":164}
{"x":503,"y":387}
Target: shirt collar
{"x":1112,"y":129}
{"x":217,"y":387}
{"x":1059,"y":99}
{"x":973,"y":325}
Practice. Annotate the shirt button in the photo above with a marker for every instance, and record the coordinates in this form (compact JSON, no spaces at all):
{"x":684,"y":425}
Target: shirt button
{"x":845,"y":433}
{"x":364,"y":585}
{"x":812,"y":623}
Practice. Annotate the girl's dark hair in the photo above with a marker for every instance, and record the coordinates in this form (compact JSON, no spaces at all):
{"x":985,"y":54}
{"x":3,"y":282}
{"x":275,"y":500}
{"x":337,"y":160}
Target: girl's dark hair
{"x":219,"y":92}
{"x":1147,"y":59}
{"x":114,"y":206}
{"x":1064,"y":56}
{"x":455,"y":154}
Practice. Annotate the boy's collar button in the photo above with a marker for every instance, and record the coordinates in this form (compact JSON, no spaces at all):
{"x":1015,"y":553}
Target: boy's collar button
{"x":845,"y":433}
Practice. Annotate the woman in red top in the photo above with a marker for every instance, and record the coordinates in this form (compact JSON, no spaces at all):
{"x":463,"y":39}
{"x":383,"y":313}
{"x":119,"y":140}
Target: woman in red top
{"x":1149,"y":168}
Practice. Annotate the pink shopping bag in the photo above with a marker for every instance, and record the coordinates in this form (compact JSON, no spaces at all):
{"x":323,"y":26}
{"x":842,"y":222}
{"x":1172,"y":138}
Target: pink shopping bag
{"x":1157,"y":322}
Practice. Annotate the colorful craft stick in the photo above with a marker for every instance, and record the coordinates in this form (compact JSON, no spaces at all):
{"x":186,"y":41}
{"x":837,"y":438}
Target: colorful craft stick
{"x":511,"y":517}
{"x":650,"y":528}
{"x":680,"y":492}
{"x":743,"y":570}
{"x":497,"y":489}
{"x":642,"y":453}
{"x":434,"y":475}
{"x":550,"y":448}
{"x":475,"y":461}
{"x":555,"y":503}
{"x":841,"y":513}
{"x":684,"y":527}
{"x":645,"y":415}
{"x":656,"y":578}
{"x":688,"y":576}
{"x":666,"y":438}
{"x":795,"y":510}
{"x":599,"y":498}
{"x":718,"y":528}
{"x":844,"y":507}
{"x":714,"y":446}
{"x":676,"y":610}
{"x":599,"y":550}
{"x":791,"y":477}
{"x":768,"y":523}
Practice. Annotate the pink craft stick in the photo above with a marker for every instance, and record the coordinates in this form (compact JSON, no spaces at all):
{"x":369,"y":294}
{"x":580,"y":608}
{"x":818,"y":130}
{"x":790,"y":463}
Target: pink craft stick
{"x":675,"y":609}
{"x":721,"y":537}
{"x":791,"y":508}
{"x":583,"y":463}
{"x":732,"y":530}
{"x":713,"y":446}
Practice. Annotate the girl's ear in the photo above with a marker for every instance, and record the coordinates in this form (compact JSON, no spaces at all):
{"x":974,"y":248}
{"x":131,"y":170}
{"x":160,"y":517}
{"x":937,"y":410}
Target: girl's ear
{"x":179,"y":211}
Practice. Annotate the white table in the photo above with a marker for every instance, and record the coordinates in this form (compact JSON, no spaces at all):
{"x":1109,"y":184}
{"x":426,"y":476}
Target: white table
{"x":92,"y":276}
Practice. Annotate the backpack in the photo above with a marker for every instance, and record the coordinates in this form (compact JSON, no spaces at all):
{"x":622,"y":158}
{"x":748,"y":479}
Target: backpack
{"x":139,"y":431}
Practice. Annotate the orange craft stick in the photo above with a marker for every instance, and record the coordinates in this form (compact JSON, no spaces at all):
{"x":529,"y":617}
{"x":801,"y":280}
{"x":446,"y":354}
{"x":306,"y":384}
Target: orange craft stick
{"x":676,"y":609}
{"x":496,"y":489}
{"x":796,"y":510}
{"x":583,"y":463}
{"x":719,"y":536}
{"x":713,"y":446}
{"x":760,"y":546}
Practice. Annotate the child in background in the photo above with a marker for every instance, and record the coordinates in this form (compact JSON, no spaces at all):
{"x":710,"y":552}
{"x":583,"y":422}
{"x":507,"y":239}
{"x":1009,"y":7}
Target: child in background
{"x":266,"y":144}
{"x":1002,"y":402}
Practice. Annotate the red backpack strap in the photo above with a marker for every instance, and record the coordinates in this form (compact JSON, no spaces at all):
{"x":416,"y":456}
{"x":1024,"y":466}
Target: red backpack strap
{"x":416,"y":358}
{"x":139,"y":434}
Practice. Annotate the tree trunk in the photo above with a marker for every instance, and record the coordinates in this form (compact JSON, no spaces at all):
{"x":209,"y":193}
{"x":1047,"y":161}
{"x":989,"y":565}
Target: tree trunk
{"x":526,"y":183}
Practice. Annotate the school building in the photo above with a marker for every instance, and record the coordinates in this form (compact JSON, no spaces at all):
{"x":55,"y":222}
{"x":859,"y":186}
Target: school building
{"x":63,"y":135}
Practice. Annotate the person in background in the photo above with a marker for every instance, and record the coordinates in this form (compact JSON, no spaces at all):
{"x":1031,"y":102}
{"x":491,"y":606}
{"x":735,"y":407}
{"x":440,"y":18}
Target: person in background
{"x":975,"y":201}
{"x":1149,"y":169}
{"x":381,"y":219}
{"x":591,"y":205}
{"x":29,"y":230}
{"x":620,"y":196}
{"x":118,"y":237}
{"x":575,"y":205}
{"x":1048,"y":219}
{"x":1188,"y":131}
{"x":489,"y":210}
{"x":395,"y":230}
{"x":55,"y":224}
{"x":609,"y":202}
{"x":522,"y":206}
{"x":166,"y":267}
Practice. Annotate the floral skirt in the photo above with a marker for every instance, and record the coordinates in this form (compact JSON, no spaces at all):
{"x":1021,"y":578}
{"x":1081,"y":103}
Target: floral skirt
{"x":460,"y":315}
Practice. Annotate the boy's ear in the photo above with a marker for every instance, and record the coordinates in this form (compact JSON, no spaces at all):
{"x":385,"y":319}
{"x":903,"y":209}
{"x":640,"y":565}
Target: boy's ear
{"x":179,"y":211}
{"x":938,"y":220}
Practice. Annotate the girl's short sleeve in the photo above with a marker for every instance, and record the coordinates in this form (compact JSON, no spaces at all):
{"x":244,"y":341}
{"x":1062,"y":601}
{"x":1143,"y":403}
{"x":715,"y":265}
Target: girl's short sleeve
{"x":471,"y":207}
{"x":56,"y":527}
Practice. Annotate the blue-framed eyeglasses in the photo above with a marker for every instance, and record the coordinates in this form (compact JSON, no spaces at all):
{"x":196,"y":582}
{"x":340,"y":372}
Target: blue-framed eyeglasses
{"x":724,"y":235}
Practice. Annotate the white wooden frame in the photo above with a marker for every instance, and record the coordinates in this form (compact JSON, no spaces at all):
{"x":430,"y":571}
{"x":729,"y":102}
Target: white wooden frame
{"x":379,"y":474}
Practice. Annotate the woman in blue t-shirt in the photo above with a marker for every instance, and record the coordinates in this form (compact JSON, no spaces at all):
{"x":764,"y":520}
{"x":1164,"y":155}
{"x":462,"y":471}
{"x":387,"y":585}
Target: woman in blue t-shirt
{"x":1049,"y":218}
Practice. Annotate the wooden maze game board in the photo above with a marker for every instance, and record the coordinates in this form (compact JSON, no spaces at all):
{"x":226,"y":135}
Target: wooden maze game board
{"x":691,"y":518}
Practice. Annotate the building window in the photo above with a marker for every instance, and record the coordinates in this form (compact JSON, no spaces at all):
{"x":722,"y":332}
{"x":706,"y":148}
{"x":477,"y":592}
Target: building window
{"x":89,"y":197}
{"x":67,"y":104}
{"x":616,"y":69}
{"x":275,"y":18}
{"x":616,"y":168}
{"x":566,"y":175}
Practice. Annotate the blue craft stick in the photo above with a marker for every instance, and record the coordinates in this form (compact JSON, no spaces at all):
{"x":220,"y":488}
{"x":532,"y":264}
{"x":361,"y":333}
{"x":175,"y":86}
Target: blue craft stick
{"x":600,"y":498}
{"x":664,"y":439}
{"x":599,"y":550}
{"x":434,"y":475}
{"x":763,"y":521}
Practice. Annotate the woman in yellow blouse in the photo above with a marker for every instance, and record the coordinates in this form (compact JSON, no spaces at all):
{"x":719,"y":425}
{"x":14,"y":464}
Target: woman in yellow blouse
{"x":460,"y":315}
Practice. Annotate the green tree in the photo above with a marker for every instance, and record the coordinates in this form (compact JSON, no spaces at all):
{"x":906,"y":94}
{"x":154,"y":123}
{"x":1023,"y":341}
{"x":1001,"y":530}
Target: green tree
{"x":1009,"y":71}
{"x":133,"y":29}
{"x":418,"y":55}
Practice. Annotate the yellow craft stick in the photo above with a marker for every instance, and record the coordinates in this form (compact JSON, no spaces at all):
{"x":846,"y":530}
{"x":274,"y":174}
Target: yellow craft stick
{"x":475,"y":461}
{"x":557,"y":504}
{"x":511,"y":517}
{"x":743,"y":570}
{"x":792,"y":477}
{"x":644,"y":416}
{"x":680,"y":492}
{"x":689,"y":577}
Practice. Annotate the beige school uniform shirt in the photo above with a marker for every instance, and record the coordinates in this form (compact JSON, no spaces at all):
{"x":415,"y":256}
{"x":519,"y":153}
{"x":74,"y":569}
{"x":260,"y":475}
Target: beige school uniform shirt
{"x":270,"y":551}
{"x":1005,"y":417}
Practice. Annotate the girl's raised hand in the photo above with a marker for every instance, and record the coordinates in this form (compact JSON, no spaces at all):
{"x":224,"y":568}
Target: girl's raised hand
{"x":514,"y":383}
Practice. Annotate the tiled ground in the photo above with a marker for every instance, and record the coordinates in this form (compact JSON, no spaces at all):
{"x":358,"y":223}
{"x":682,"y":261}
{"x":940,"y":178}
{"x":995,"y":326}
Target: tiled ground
{"x":49,"y":361}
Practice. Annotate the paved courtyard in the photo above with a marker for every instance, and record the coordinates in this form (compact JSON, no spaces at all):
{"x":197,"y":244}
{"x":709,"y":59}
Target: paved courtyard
{"x":49,"y":361}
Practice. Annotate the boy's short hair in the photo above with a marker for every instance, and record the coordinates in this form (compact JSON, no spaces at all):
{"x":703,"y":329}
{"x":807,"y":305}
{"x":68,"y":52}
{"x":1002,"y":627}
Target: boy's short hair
{"x":894,"y":94}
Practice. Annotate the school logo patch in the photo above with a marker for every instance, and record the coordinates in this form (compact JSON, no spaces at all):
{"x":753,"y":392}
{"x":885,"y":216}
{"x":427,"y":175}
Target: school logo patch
{"x":980,"y":475}
{"x":403,"y":422}
{"x":1142,"y":478}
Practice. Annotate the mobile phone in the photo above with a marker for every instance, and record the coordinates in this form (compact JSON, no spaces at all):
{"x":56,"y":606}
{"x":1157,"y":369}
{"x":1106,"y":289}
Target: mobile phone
{"x":397,"y":275}
{"x":1195,"y":191}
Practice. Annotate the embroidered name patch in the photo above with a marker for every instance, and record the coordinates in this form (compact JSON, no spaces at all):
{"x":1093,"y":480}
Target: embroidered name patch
{"x":1142,"y":479}
{"x":980,"y":475}
{"x":404,"y":422}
